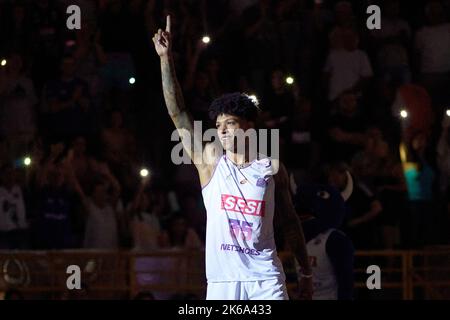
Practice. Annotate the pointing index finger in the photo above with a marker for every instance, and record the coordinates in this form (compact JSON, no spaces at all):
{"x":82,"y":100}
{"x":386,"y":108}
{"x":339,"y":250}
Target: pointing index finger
{"x":168,"y":23}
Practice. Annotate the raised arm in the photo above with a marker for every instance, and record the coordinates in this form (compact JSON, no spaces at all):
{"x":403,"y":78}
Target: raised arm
{"x":175,"y":103}
{"x":292,"y":229}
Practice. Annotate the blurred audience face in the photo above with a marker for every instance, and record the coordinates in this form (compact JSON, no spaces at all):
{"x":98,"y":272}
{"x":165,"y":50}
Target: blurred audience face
{"x":116,"y":120}
{"x":213,"y":66}
{"x":79,"y":146}
{"x":15,"y":65}
{"x":144,"y":203}
{"x":348,"y":104}
{"x":100,"y":194}
{"x":179,"y":227}
{"x":419,"y":142}
{"x":344,"y":13}
{"x":68,"y":67}
{"x":381,"y":150}
{"x":8,"y":177}
{"x":56,"y":176}
{"x":201,"y":81}
{"x":350,"y":40}
{"x":277,"y":80}
{"x":337,"y":179}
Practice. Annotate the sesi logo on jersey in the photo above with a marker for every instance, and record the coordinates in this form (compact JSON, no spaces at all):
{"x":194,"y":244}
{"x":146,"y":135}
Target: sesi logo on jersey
{"x":245,"y":206}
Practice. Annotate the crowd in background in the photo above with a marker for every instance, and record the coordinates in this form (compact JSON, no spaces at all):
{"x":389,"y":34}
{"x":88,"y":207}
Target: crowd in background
{"x":85,"y":109}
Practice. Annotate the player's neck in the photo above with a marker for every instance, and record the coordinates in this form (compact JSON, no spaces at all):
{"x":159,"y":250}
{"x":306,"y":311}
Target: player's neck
{"x":240,"y":158}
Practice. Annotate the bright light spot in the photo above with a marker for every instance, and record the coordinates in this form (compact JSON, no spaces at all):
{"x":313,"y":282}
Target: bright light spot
{"x":132,"y":80}
{"x":448,"y":112}
{"x":206,"y":39}
{"x":27,"y":161}
{"x":403,"y":114}
{"x":289,"y":80}
{"x":254,"y":99}
{"x":3,"y":63}
{"x":144,"y":173}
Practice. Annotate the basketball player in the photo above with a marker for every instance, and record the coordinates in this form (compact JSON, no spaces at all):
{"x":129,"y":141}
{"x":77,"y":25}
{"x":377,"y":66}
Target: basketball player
{"x":239,"y":193}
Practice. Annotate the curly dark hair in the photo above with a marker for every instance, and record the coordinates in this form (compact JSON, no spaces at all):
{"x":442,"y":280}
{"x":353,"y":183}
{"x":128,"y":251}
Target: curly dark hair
{"x":237,"y":104}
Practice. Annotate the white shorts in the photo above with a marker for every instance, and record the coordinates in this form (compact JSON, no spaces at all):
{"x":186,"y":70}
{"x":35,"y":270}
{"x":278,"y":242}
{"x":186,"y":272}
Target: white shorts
{"x":272,"y":289}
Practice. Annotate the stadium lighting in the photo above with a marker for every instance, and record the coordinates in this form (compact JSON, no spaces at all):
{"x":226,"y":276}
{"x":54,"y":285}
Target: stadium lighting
{"x":448,"y":112}
{"x":3,"y":63}
{"x":132,"y":80}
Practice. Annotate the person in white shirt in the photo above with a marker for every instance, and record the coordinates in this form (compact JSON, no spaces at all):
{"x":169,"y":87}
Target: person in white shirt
{"x":346,"y":67}
{"x":104,"y":209}
{"x":144,"y":224}
{"x":13,"y":220}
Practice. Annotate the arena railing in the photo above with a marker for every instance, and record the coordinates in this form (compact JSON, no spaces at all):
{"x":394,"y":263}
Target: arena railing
{"x":174,"y":274}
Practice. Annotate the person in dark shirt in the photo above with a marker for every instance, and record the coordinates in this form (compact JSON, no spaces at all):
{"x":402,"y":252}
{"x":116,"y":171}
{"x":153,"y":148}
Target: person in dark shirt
{"x":362,"y":209}
{"x":67,"y":103}
{"x":346,"y":128}
{"x":54,"y":205}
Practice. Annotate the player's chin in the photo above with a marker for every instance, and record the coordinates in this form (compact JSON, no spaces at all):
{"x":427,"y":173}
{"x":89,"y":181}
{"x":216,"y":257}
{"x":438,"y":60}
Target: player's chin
{"x":227,"y":145}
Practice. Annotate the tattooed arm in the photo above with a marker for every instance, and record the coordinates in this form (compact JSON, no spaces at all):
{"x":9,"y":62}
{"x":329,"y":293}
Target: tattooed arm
{"x":290,"y":224}
{"x":176,"y":108}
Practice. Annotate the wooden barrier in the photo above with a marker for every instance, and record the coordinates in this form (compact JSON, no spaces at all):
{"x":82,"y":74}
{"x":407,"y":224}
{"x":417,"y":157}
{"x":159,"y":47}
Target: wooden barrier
{"x":406,"y":275}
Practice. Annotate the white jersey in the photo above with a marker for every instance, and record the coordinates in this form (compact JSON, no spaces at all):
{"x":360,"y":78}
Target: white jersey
{"x":240,"y":203}
{"x":324,"y":279}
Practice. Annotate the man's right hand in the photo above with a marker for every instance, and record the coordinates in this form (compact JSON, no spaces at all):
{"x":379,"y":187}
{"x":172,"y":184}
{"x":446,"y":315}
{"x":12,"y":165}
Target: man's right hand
{"x":162,"y":40}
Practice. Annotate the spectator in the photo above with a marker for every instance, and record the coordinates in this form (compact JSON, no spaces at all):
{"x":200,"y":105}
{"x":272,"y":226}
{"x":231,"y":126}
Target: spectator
{"x":345,"y":22}
{"x":46,"y":23}
{"x":18,"y":37}
{"x":279,"y":104}
{"x":443,"y":157}
{"x":144,"y":222}
{"x":115,"y":27}
{"x":363,"y":208}
{"x":419,"y":177}
{"x":180,"y":236}
{"x":17,"y":107}
{"x":194,"y":211}
{"x":90,"y":57}
{"x":262,"y":43}
{"x":432,"y":44}
{"x":66,"y":104}
{"x":346,"y":128}
{"x":377,"y":167}
{"x":392,"y":42}
{"x":413,"y":99}
{"x":304,"y":149}
{"x":103,"y":209}
{"x":54,"y":204}
{"x":13,"y":215}
{"x":118,"y":145}
{"x":347,"y":67}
